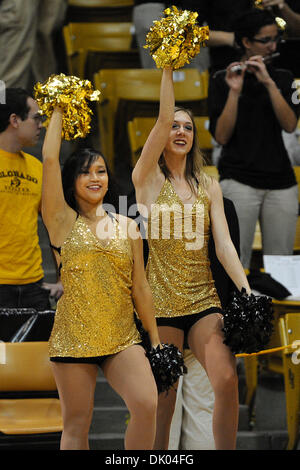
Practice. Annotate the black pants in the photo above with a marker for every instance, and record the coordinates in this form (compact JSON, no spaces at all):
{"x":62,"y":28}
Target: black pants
{"x":24,"y":296}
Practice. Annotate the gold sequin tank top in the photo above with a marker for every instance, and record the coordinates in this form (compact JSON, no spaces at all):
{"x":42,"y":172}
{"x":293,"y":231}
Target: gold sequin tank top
{"x":178,"y":268}
{"x":95,"y":315}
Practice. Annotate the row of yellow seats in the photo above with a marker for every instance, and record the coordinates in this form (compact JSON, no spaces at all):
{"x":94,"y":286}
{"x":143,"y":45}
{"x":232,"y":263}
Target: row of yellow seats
{"x":111,"y":40}
{"x":140,"y":127}
{"x":140,"y":85}
{"x":25,"y":367}
{"x":284,"y":361}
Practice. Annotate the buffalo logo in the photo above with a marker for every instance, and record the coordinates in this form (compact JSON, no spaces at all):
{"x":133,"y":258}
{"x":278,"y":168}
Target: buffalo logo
{"x":15,"y":182}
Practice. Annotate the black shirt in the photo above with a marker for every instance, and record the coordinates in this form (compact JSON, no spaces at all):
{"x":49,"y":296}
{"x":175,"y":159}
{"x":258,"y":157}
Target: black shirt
{"x":223,"y":282}
{"x":255,"y":155}
{"x":219,"y":15}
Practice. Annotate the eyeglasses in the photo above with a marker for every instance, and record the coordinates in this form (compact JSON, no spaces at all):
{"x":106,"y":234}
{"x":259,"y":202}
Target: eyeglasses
{"x":267,"y":40}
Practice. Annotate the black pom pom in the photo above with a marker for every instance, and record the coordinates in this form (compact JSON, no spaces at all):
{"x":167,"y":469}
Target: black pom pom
{"x":248,"y":323}
{"x":167,"y":366}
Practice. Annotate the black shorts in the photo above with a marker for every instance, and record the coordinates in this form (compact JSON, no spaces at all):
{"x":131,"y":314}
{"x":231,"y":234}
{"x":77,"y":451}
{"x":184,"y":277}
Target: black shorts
{"x":98,"y":360}
{"x":186,"y":322}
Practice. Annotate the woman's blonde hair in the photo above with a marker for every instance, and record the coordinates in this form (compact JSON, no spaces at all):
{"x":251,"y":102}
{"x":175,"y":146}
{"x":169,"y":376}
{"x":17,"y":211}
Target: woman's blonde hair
{"x":195,"y":159}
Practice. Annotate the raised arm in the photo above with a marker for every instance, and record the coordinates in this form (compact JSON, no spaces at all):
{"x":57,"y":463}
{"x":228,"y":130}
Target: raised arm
{"x":147,"y":164}
{"x":227,"y":119}
{"x":225,"y":250}
{"x":57,"y":215}
{"x":220,"y":38}
{"x":291,"y":17}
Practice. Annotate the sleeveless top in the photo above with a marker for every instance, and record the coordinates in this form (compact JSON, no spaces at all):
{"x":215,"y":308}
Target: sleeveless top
{"x":178,"y":268}
{"x":95,"y":315}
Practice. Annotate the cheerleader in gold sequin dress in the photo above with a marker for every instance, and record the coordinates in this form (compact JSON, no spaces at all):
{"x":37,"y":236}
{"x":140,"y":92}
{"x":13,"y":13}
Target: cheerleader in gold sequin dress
{"x":102,"y":272}
{"x":183,"y":205}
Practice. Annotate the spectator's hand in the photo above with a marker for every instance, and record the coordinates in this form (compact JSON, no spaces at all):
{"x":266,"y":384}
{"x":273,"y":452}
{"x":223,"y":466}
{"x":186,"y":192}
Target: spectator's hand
{"x":233,"y":79}
{"x":56,"y":290}
{"x":273,"y":3}
{"x":256,"y":65}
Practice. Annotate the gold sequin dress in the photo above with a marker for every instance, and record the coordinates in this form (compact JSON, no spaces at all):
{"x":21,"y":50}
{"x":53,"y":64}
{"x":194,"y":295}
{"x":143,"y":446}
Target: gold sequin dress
{"x":95,"y":315}
{"x":178,"y":268}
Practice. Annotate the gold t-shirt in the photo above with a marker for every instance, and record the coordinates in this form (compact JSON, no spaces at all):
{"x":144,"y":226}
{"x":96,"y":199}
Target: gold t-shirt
{"x":178,"y":267}
{"x":20,"y":198}
{"x":95,"y":315}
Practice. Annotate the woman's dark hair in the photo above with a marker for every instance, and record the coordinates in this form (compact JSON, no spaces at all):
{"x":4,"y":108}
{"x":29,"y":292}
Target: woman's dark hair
{"x":248,"y":24}
{"x":195,"y":160}
{"x":15,"y":103}
{"x":84,"y":158}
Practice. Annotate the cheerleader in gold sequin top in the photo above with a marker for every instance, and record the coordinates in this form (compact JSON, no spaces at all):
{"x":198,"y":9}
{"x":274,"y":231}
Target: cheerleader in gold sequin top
{"x":183,"y":205}
{"x":102,"y":272}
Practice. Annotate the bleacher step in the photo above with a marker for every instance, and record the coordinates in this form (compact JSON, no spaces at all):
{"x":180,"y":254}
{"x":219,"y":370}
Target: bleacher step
{"x":243,"y":418}
{"x":262,"y":440}
{"x":112,"y":419}
{"x":105,"y":395}
{"x":106,"y":441}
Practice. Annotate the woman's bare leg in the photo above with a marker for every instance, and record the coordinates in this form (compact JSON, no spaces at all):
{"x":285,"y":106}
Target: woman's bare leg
{"x":167,"y":401}
{"x":129,"y":374}
{"x":76,"y":387}
{"x":206,"y":342}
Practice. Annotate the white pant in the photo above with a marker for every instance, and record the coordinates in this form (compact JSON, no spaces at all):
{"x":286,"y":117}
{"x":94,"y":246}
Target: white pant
{"x":143,"y":17}
{"x":191,"y":427}
{"x":276,"y":210}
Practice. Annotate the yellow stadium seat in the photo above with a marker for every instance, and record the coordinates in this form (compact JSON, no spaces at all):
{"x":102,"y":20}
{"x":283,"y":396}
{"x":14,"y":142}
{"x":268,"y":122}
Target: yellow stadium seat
{"x":257,"y":241}
{"x":285,"y":362}
{"x":139,"y":85}
{"x":102,"y":45}
{"x":139,"y":128}
{"x":25,"y":367}
{"x":204,"y":136}
{"x":297,"y":175}
{"x":297,"y":237}
{"x":290,"y":334}
{"x":211,"y":170}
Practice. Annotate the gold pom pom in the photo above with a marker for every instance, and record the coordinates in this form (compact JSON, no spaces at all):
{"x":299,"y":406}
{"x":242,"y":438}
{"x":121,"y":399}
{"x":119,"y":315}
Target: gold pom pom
{"x":259,"y":4}
{"x":281,"y":23}
{"x":72,"y":94}
{"x":176,"y":39}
